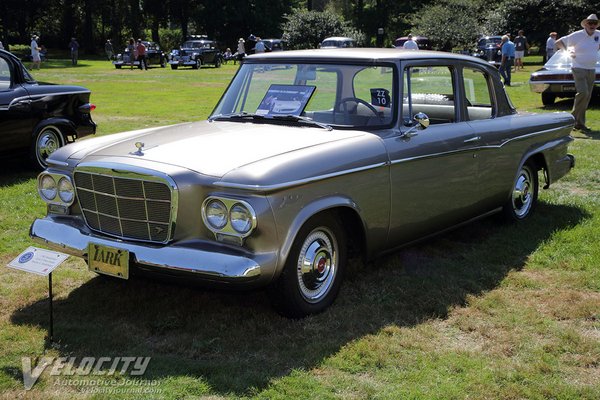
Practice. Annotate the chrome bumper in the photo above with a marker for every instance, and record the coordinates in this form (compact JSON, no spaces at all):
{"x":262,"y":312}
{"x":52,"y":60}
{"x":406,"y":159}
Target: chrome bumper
{"x":204,"y":260}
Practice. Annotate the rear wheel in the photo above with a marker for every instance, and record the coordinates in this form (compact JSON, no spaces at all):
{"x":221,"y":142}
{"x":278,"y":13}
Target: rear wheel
{"x":173,"y":66}
{"x":312,"y":276}
{"x":117,"y":66}
{"x":47,"y":140}
{"x":524,"y":194}
{"x":548,"y":99}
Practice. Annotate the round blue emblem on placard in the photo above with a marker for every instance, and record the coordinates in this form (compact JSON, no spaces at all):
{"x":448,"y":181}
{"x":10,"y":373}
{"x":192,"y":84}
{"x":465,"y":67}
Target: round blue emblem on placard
{"x":26,"y":257}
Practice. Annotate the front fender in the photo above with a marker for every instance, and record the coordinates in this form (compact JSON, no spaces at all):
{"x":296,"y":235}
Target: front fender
{"x":308,"y":211}
{"x":64,"y":124}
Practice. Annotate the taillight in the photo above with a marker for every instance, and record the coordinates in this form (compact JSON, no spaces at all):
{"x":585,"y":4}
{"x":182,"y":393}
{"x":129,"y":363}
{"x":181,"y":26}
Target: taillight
{"x":555,"y":77}
{"x":87,"y":108}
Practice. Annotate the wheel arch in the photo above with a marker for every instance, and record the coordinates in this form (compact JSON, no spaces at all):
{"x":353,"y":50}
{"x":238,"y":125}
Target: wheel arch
{"x":66,"y":126}
{"x":344,"y":210}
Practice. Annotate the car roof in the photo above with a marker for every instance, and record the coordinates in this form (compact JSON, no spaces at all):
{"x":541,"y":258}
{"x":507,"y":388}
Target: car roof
{"x":359,"y":54}
{"x":338,"y":38}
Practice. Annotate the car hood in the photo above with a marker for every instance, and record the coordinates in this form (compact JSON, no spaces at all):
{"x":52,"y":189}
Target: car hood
{"x":209,"y":148}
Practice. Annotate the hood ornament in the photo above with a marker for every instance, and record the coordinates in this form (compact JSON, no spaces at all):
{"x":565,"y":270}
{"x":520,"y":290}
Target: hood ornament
{"x":140,"y":147}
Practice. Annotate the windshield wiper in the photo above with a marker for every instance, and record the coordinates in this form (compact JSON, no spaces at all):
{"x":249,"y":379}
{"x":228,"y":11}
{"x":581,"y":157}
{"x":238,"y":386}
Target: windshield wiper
{"x":240,"y":115}
{"x":298,"y":118}
{"x":286,"y":117}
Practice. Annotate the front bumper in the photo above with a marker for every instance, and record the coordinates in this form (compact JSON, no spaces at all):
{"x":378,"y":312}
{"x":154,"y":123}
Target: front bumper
{"x":196,"y":259}
{"x":183,"y":63}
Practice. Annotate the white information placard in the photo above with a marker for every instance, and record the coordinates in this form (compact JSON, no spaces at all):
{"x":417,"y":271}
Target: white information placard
{"x":38,"y":261}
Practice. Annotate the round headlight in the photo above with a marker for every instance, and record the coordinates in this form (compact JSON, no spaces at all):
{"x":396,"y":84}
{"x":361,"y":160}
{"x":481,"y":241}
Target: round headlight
{"x":65,"y":190}
{"x":48,"y":187}
{"x":216,"y":214}
{"x":241,"y":218}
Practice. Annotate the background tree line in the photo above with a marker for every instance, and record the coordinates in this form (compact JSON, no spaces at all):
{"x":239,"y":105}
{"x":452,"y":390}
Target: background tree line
{"x":450,"y":24}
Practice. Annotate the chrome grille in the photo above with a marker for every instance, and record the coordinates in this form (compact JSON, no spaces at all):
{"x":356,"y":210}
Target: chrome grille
{"x":127,"y":207}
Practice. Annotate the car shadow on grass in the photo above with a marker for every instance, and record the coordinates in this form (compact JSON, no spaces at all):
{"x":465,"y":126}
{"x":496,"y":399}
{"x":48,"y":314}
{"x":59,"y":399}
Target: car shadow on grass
{"x":15,"y":171}
{"x":236,"y":344}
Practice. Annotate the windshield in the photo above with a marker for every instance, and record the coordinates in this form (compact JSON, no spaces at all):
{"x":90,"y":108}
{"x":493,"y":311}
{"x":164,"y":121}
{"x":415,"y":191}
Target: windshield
{"x":342,"y":96}
{"x":489,"y":41}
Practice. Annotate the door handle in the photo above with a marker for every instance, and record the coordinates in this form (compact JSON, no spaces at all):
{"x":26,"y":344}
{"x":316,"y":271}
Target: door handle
{"x":473,"y":139}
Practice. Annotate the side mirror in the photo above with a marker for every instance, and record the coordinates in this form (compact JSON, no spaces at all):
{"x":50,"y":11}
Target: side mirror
{"x":421,"y":121}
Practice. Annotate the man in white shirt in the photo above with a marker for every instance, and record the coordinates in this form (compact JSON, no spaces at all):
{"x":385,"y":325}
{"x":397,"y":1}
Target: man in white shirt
{"x":410,"y":44}
{"x":35,"y":52}
{"x":583,"y":46}
{"x":550,"y":45}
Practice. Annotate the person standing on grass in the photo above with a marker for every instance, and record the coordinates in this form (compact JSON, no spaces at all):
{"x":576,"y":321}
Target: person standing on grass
{"x":583,"y":46}
{"x":74,"y":47}
{"x":508,"y":58}
{"x":141,"y":55}
{"x":521,"y":45}
{"x":108,"y":49}
{"x":550,"y":42}
{"x":35,"y":53}
{"x":131,"y":50}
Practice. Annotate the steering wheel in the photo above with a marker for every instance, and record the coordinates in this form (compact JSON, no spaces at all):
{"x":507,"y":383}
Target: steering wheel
{"x":357,"y":100}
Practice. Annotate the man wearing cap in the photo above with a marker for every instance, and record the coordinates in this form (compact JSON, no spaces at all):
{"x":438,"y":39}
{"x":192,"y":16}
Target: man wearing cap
{"x":35,"y":52}
{"x":550,"y":43}
{"x":583,"y":47}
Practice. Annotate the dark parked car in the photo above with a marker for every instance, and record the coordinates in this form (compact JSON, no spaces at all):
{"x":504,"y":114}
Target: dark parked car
{"x":275,"y":44}
{"x":422,"y":41}
{"x":555,"y":79}
{"x":154,"y":57}
{"x":38,"y":118}
{"x":195,"y":53}
{"x":488,"y":49}
{"x":310,"y":156}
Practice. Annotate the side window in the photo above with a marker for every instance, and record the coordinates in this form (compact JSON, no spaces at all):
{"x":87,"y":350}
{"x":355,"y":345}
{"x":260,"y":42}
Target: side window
{"x":430,"y":90}
{"x":477,"y":90}
{"x":4,"y":75}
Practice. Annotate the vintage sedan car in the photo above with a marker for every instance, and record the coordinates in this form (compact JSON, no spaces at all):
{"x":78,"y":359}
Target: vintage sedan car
{"x":309,"y":157}
{"x":38,"y":118}
{"x":154,"y":57}
{"x":489,"y":49}
{"x":337,"y":42}
{"x":422,"y":41}
{"x":275,"y":44}
{"x":195,"y":53}
{"x":555,"y":79}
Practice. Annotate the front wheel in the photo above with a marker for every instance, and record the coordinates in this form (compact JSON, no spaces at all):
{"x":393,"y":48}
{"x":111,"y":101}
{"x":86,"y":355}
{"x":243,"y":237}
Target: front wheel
{"x":47,"y":140}
{"x":524,"y":194}
{"x":312,"y":275}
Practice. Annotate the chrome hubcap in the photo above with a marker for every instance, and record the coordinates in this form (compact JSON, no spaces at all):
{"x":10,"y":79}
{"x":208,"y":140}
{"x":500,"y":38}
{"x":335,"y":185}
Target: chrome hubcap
{"x":48,"y":143}
{"x":317,"y":265}
{"x":522,"y":197}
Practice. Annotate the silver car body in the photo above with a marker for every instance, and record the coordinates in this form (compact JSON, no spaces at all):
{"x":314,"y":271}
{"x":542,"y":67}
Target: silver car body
{"x":555,"y":79}
{"x":387,"y":182}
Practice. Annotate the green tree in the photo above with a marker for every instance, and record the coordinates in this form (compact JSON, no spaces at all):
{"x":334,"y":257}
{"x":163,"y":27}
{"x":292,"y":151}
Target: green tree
{"x":306,"y":29}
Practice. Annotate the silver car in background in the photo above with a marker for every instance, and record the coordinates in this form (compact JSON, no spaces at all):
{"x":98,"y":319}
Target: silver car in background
{"x":555,"y":79}
{"x":310,"y":157}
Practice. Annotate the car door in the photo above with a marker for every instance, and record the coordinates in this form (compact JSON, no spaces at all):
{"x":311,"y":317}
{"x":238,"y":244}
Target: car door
{"x":433,"y":172}
{"x":16,"y":122}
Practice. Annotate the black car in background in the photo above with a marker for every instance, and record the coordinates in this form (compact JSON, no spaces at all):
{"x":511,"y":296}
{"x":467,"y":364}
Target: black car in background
{"x":275,"y":44}
{"x":38,"y":118}
{"x":196,"y":52}
{"x":488,"y":49}
{"x":422,"y":41}
{"x":154,"y":57}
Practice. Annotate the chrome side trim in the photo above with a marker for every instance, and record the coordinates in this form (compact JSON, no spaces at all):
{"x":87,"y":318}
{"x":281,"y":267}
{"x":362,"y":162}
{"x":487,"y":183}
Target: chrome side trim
{"x":470,"y":149}
{"x":280,"y":186}
{"x":40,"y":95}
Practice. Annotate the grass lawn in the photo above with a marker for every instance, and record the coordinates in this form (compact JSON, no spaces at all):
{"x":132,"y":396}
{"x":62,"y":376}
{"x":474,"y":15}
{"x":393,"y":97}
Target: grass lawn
{"x":489,"y":311}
